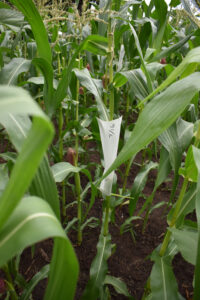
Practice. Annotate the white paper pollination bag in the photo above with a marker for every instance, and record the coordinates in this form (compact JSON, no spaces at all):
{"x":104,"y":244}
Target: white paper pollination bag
{"x":109,"y":132}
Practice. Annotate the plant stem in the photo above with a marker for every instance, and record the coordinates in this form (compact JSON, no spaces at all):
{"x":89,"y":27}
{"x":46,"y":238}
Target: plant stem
{"x":10,"y":282}
{"x":127,"y":106}
{"x":111,"y":103}
{"x":84,"y":97}
{"x":128,"y":166}
{"x":77,"y":176}
{"x":147,"y":204}
{"x":63,"y":199}
{"x":79,"y":207}
{"x":106,"y":223}
{"x":110,"y":66}
{"x":174,"y":217}
{"x":179,"y":201}
{"x":60,"y":127}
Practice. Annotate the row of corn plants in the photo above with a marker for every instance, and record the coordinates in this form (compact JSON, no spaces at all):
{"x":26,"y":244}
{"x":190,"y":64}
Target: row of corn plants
{"x":78,"y":73}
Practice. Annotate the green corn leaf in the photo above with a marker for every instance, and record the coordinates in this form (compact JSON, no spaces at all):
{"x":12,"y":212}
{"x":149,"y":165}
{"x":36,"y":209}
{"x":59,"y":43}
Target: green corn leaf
{"x":153,"y":68}
{"x":187,"y":206}
{"x":98,"y":269}
{"x":188,"y":203}
{"x":41,"y":81}
{"x":11,"y":18}
{"x":92,"y":44}
{"x":161,"y":10}
{"x":25,"y":168}
{"x":149,"y":83}
{"x":62,"y":169}
{"x":10,"y":72}
{"x":17,"y":128}
{"x":119,"y":80}
{"x":63,"y":272}
{"x":162,"y":16}
{"x":196,"y":153}
{"x":47,"y":72}
{"x":162,"y":280}
{"x":42,"y":274}
{"x":185,"y":241}
{"x":32,"y":15}
{"x":3,"y":177}
{"x":164,"y":167}
{"x":176,"y":139}
{"x":123,"y":11}
{"x":32,"y":221}
{"x":93,"y":86}
{"x":185,"y":133}
{"x":118,"y":285}
{"x":121,"y":58}
{"x":43,"y":184}
{"x":192,"y":57}
{"x":17,"y":101}
{"x":139,"y":184}
{"x":96,"y":44}
{"x":170,"y":140}
{"x":157,"y":116}
{"x":137,"y":82}
{"x":168,"y":51}
{"x":128,"y":224}
{"x":9,"y":156}
{"x":31,"y":49}
{"x":157,"y":43}
{"x":190,"y":170}
{"x":4,"y":5}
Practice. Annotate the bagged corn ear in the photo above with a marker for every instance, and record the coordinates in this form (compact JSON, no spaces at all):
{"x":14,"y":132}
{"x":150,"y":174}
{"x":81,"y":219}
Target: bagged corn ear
{"x":109,"y":132}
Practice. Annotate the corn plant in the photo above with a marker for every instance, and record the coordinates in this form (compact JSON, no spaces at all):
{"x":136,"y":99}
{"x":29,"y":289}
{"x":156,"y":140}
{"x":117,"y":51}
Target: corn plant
{"x":22,"y":216}
{"x":74,"y":64}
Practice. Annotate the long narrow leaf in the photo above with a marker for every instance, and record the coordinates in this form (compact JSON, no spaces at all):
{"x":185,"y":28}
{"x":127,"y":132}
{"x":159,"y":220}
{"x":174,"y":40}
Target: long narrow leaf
{"x":197,"y":262}
{"x":192,"y":57}
{"x":31,"y":13}
{"x":11,"y":18}
{"x":163,"y":282}
{"x":62,"y":169}
{"x":186,"y":240}
{"x":166,"y":52}
{"x":32,"y":221}
{"x":98,"y":269}
{"x":94,"y":44}
{"x":157,"y":116}
{"x":47,"y":72}
{"x":15,"y":100}
{"x":42,"y":274}
{"x":10,"y":72}
{"x":43,"y":184}
{"x":139,"y":184}
{"x":87,"y":81}
{"x":149,"y":83}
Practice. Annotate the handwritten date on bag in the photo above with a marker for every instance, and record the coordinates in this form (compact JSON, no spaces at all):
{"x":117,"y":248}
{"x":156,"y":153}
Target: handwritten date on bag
{"x":111,"y":130}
